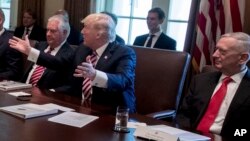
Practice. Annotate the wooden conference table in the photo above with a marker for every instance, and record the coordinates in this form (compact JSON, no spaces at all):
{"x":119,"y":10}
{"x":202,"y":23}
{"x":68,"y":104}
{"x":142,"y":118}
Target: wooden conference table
{"x":40,"y":129}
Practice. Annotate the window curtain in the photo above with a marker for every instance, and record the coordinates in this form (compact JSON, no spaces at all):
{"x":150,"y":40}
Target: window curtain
{"x":36,"y":5}
{"x":77,"y":9}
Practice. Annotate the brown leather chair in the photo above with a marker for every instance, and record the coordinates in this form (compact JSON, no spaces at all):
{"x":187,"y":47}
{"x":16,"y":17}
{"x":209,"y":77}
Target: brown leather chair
{"x":159,"y":80}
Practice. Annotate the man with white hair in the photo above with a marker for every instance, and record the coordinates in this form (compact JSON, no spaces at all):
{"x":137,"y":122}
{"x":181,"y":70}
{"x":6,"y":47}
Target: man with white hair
{"x":104,"y":70}
{"x":51,"y":59}
{"x":10,"y":59}
{"x":219,"y":102}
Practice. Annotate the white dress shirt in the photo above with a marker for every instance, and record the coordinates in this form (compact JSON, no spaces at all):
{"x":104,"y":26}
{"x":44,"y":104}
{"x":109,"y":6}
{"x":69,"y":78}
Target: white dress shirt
{"x":34,"y":54}
{"x":155,"y":38}
{"x":231,"y":90}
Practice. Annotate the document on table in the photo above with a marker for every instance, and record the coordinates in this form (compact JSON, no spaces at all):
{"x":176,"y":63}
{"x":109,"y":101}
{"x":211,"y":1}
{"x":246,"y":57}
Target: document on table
{"x":16,"y":94}
{"x":55,"y":106}
{"x":182,"y":134}
{"x":73,"y":119}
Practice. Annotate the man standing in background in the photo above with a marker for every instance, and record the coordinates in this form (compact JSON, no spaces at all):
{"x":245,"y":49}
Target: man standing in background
{"x":156,"y":38}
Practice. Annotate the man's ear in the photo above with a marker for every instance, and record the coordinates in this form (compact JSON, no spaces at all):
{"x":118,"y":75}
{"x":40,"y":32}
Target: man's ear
{"x":161,"y":21}
{"x":244,"y":58}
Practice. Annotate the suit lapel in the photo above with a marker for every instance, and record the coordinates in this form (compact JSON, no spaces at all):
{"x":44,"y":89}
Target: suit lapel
{"x":159,"y":41}
{"x":241,"y":95}
{"x":107,"y":54}
{"x":208,"y":92}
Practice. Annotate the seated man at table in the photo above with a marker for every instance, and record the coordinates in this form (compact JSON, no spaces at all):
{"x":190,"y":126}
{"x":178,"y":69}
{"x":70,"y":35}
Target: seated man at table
{"x":51,"y":59}
{"x":219,"y":102}
{"x":10,"y":59}
{"x":104,"y":70}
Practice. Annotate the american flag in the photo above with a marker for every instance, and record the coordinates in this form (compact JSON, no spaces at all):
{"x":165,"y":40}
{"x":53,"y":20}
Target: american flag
{"x":215,"y":18}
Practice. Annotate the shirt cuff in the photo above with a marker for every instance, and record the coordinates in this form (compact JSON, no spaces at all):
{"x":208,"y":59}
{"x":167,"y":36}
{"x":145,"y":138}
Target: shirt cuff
{"x":33,"y":55}
{"x":100,"y":79}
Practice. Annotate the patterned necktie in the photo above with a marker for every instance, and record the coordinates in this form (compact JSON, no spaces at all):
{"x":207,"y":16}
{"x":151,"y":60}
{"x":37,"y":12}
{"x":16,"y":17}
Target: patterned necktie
{"x":213,"y":107}
{"x":86,"y":85}
{"x":37,"y":74}
{"x":149,"y":43}
{"x":27,"y":31}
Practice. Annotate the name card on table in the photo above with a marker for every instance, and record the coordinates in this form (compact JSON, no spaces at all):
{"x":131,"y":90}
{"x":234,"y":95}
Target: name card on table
{"x":148,"y":133}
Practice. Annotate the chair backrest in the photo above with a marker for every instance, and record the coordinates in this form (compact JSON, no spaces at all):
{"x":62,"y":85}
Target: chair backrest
{"x":159,"y":78}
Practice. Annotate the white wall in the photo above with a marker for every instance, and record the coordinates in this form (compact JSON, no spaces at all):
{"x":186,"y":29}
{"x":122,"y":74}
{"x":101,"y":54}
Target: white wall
{"x":50,"y":7}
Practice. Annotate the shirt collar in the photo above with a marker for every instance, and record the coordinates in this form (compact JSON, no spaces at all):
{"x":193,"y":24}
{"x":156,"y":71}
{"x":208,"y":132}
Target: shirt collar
{"x":101,"y":49}
{"x":2,"y":31}
{"x":236,"y":77}
{"x":30,"y":28}
{"x":56,"y":48}
{"x":156,"y":34}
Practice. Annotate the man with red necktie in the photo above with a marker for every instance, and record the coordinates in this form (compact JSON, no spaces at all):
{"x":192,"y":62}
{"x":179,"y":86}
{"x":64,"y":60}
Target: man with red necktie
{"x":51,"y":59}
{"x":111,"y":77}
{"x":219,"y":102}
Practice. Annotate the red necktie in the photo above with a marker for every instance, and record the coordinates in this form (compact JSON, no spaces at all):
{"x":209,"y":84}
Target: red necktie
{"x":37,"y":74}
{"x":86,"y":85}
{"x":213,"y":107}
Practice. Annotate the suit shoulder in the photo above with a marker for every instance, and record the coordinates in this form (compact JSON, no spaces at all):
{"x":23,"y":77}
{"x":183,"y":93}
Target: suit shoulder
{"x":142,"y":36}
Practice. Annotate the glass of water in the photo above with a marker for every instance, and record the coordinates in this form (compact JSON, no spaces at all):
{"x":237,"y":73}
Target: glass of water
{"x":121,"y":121}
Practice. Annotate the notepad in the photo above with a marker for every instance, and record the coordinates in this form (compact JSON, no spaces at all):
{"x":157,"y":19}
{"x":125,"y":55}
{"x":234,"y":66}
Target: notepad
{"x":29,"y":110}
{"x":7,"y":85}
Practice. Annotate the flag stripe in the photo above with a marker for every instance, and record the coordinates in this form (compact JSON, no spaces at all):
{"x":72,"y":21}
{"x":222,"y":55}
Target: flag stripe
{"x":216,"y":17}
{"x":235,"y":12}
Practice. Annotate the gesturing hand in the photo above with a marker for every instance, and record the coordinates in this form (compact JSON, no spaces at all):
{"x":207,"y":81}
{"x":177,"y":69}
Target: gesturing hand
{"x":20,"y":45}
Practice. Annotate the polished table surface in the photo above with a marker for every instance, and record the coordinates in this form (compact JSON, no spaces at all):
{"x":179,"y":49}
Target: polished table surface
{"x":40,"y":129}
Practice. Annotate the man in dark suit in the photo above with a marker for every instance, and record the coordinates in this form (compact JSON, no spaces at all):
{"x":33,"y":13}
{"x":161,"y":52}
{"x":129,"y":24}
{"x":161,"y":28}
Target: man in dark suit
{"x":230,"y":58}
{"x":55,"y":55}
{"x":10,"y":59}
{"x":159,"y":40}
{"x":112,"y":77}
{"x":29,"y":27}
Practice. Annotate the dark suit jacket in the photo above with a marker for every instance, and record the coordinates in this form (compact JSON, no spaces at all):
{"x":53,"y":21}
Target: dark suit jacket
{"x":196,"y":102}
{"x":10,"y":59}
{"x":118,"y":62}
{"x":37,"y":33}
{"x":75,"y":37}
{"x":119,"y":39}
{"x":163,"y":42}
{"x":57,"y":67}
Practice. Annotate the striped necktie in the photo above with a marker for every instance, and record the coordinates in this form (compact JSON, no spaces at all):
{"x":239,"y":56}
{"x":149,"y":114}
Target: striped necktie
{"x":86,"y":85}
{"x":37,"y":74}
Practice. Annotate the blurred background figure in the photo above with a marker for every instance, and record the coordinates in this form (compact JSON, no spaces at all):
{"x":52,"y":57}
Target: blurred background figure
{"x":29,"y":27}
{"x":75,"y":36}
{"x":155,"y":38}
{"x":114,"y":18}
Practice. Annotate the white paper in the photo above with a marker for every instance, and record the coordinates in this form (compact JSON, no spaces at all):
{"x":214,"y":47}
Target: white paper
{"x":16,"y":94}
{"x":73,"y":119}
{"x":150,"y":134}
{"x":182,"y":134}
{"x":135,"y":124}
{"x":28,"y":110}
{"x":55,"y":106}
